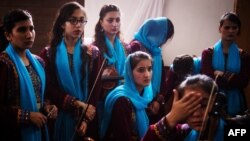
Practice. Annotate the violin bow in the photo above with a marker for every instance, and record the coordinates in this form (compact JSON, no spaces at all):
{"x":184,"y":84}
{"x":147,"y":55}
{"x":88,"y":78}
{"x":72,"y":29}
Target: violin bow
{"x":209,"y":105}
{"x":90,"y":94}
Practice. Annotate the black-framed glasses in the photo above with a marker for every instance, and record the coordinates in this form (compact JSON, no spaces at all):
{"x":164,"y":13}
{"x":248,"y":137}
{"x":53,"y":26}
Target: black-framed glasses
{"x":75,"y":21}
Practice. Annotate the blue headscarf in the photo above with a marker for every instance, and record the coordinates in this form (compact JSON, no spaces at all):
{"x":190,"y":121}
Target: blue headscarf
{"x":27,"y":92}
{"x":129,"y":91}
{"x":233,"y":65}
{"x":152,"y":34}
{"x":197,"y":65}
{"x":219,"y":135}
{"x":116,"y":55}
{"x":70,"y":82}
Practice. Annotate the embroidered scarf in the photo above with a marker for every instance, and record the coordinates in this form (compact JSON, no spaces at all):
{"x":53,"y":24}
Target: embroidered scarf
{"x":27,"y":92}
{"x":70,"y":82}
{"x":152,"y":34}
{"x":235,"y":99}
{"x":129,"y":91}
{"x":116,"y":54}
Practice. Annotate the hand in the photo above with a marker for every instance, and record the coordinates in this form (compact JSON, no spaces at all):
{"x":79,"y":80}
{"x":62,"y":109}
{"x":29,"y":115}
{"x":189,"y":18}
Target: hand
{"x":91,"y":111}
{"x":154,"y":107}
{"x":219,"y":73}
{"x":51,"y":111}
{"x":82,"y":129}
{"x":38,"y":119}
{"x":184,"y":107}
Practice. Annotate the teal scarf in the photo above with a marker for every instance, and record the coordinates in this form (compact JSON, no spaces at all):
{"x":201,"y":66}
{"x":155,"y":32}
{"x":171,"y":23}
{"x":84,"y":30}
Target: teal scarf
{"x":27,"y":92}
{"x":219,"y":135}
{"x":152,"y":34}
{"x":70,"y":82}
{"x":197,"y":65}
{"x":129,"y":91}
{"x":235,"y":99}
{"x":116,"y":54}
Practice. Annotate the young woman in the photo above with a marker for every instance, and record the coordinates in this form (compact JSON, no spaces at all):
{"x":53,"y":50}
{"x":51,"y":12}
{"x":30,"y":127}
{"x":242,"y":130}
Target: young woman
{"x":150,"y":37}
{"x":110,"y":64}
{"x":183,"y":65}
{"x":68,"y":65}
{"x":186,"y":118}
{"x":125,"y":118}
{"x":23,"y":110}
{"x":228,"y":64}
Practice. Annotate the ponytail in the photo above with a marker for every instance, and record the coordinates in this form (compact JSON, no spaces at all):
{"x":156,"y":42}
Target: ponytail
{"x":3,"y":40}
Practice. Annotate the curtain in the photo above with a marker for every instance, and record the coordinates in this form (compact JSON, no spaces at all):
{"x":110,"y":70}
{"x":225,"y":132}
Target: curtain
{"x":146,"y":9}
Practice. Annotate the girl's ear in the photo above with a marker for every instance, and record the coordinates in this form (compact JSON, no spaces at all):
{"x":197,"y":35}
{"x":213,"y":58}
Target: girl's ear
{"x":8,"y":36}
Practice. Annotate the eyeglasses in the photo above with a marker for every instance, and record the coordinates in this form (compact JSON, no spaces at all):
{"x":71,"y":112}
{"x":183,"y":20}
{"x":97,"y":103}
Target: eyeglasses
{"x":76,"y":21}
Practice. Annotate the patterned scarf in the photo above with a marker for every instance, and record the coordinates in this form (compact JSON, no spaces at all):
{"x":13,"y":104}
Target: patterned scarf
{"x":27,"y":92}
{"x":152,"y":34}
{"x":129,"y":91}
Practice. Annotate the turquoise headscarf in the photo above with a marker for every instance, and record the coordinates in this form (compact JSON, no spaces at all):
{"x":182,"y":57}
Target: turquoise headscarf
{"x":27,"y":92}
{"x":116,"y":55}
{"x":219,"y":135}
{"x":152,"y":34}
{"x":129,"y":91}
{"x":197,"y":65}
{"x":70,"y":82}
{"x":235,"y":99}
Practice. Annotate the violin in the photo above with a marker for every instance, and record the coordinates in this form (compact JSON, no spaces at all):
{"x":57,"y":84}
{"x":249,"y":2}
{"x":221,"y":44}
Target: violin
{"x":214,"y":111}
{"x":110,"y":78}
{"x":212,"y":116}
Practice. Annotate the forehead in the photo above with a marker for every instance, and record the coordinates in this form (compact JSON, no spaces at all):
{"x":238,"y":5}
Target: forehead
{"x":229,"y":23}
{"x":144,"y":63}
{"x":196,"y":90}
{"x":25,"y":23}
{"x":78,"y":13}
{"x":112,"y":14}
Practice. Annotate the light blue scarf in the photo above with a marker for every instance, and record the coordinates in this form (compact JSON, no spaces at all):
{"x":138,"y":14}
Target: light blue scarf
{"x":117,"y":53}
{"x":219,"y":135}
{"x":129,"y":91}
{"x":70,"y":82}
{"x":27,"y":92}
{"x":197,"y":65}
{"x":152,"y":34}
{"x":235,"y":99}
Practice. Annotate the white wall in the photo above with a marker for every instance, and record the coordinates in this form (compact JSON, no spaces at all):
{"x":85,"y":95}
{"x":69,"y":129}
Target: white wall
{"x":196,"y":22}
{"x":196,"y":25}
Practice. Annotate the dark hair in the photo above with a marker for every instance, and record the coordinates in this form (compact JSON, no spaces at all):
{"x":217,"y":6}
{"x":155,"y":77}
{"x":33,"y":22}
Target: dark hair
{"x":99,"y":33}
{"x":63,"y":14}
{"x":137,"y":56}
{"x":9,"y":22}
{"x":183,"y":64}
{"x":201,"y":81}
{"x":232,"y":17}
{"x":170,"y":29}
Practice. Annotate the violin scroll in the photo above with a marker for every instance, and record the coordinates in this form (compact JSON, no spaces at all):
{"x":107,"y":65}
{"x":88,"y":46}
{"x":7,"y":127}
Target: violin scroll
{"x":110,"y":78}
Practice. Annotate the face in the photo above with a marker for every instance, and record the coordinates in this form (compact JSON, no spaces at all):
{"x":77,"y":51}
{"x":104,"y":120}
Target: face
{"x":74,"y":27}
{"x":111,"y":23}
{"x":23,"y":35}
{"x":142,"y":74}
{"x":229,"y":31}
{"x":195,"y":120}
